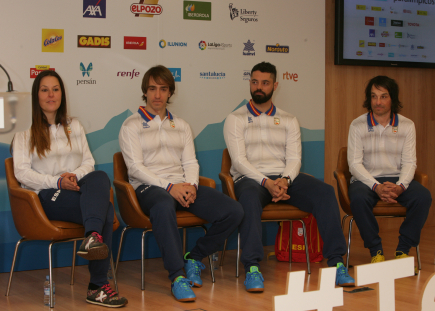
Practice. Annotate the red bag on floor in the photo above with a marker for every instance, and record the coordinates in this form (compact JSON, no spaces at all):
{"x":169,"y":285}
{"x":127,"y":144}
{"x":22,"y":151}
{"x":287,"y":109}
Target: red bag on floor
{"x":315,"y":242}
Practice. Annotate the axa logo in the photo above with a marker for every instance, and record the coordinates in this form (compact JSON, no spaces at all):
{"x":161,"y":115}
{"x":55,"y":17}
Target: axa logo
{"x":86,"y":70}
{"x":94,"y":8}
{"x":142,"y":9}
{"x":249,"y":48}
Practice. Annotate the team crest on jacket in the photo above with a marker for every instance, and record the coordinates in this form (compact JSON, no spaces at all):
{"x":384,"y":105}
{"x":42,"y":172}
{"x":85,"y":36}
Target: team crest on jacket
{"x":172,"y":123}
{"x":276,"y":121}
{"x":395,"y":129}
{"x":69,"y":129}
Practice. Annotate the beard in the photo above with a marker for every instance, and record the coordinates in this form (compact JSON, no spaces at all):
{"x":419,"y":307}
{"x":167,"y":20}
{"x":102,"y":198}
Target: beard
{"x":259,"y":97}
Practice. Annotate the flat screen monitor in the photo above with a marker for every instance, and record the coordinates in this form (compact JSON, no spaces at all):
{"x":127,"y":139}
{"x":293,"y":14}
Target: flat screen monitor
{"x":395,"y":33}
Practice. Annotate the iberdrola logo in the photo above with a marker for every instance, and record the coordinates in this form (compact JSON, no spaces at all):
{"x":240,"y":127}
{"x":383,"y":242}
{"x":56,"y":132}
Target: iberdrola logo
{"x":190,"y":8}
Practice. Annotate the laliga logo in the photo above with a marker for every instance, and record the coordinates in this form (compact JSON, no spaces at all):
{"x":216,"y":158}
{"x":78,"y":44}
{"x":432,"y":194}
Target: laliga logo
{"x":190,"y":8}
{"x":52,"y":40}
{"x":202,"y":45}
{"x":153,"y":9}
{"x":162,"y":43}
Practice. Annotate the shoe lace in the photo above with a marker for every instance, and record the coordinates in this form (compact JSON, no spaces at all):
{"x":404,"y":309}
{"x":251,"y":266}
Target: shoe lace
{"x":98,"y":237}
{"x":109,"y":290}
{"x":253,"y":276}
{"x":198,"y":266}
{"x":342,"y":270}
{"x":183,"y":283}
{"x":377,"y":257}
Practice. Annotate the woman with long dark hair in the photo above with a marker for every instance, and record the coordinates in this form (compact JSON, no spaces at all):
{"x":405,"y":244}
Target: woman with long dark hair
{"x":53,"y":159}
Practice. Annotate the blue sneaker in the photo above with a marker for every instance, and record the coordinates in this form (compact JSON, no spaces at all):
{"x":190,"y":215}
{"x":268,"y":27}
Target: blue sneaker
{"x":181,"y":289}
{"x":254,"y":280}
{"x":342,"y":277}
{"x":193,"y":270}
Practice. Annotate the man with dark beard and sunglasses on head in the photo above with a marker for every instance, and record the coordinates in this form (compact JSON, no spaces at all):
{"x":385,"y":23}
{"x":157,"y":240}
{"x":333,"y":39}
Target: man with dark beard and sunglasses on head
{"x":264,"y":143}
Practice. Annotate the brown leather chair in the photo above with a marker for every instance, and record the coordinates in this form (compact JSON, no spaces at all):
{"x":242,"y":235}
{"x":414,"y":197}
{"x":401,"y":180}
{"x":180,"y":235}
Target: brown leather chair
{"x":271,"y":212}
{"x":382,"y":209}
{"x":32,"y":224}
{"x":134,"y":217}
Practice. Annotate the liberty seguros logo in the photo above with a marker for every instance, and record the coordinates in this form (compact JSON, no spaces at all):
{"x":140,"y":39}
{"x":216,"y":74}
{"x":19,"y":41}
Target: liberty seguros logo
{"x":244,"y":14}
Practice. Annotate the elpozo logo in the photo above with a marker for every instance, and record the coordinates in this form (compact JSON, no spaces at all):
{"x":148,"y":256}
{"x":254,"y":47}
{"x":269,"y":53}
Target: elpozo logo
{"x":244,"y":14}
{"x":197,"y":10}
{"x":52,"y":40}
{"x":86,"y":70}
{"x":94,"y":8}
{"x":84,"y":41}
{"x":135,"y":43}
{"x":163,"y":44}
{"x":277,"y":48}
{"x":209,"y":75}
{"x":147,"y":9}
{"x":34,"y":72}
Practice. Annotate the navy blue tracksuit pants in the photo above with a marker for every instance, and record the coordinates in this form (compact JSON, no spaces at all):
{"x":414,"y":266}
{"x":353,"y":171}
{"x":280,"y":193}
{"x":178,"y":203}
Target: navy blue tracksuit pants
{"x":417,"y":200}
{"x":306,"y":193}
{"x":211,"y":205}
{"x":90,"y":207}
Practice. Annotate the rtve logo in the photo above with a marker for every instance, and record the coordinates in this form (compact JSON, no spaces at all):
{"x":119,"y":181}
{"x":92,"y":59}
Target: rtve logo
{"x":290,"y":76}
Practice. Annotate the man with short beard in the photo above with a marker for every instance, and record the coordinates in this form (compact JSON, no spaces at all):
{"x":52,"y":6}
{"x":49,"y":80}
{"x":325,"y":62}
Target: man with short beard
{"x":264,"y":143}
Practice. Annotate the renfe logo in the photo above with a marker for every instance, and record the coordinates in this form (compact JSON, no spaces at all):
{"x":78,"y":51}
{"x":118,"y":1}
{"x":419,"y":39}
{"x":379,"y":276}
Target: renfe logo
{"x":34,"y":72}
{"x":94,"y":8}
{"x":131,"y":74}
{"x":135,"y":43}
{"x":151,"y":9}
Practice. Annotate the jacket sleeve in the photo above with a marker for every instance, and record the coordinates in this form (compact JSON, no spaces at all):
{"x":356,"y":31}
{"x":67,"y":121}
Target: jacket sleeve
{"x":293,"y":149}
{"x":88,"y":161}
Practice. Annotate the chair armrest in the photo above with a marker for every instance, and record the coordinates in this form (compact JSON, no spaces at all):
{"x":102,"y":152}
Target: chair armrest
{"x":227,"y":184}
{"x":208,"y":182}
{"x":27,"y":212}
{"x":129,"y":207}
{"x":422,"y":178}
{"x":343,"y":190}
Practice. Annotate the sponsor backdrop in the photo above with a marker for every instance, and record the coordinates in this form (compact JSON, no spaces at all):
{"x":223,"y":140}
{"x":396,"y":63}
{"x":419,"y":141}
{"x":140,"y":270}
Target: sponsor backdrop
{"x":102,"y":48}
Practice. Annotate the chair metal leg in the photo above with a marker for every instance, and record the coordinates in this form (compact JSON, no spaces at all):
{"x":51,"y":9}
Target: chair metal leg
{"x":119,"y":249}
{"x":210,"y":259}
{"x":306,"y":246}
{"x":418,"y":257}
{"x":223,"y":253}
{"x":13,"y":266}
{"x":343,"y":221}
{"x":290,"y":244}
{"x":114,"y":274}
{"x":142,"y":271}
{"x":184,"y":240}
{"x":50,"y":269}
{"x":348,"y":242}
{"x":238,"y":254}
{"x":73,"y":265}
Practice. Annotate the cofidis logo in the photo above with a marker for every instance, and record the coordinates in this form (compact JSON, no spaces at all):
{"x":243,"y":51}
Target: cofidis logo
{"x":135,"y":43}
{"x":176,"y":73}
{"x":94,"y":8}
{"x":146,"y":8}
{"x":94,"y":41}
{"x":212,"y":75}
{"x":52,"y":40}
{"x":277,"y":48}
{"x":197,"y":10}
{"x":34,"y":72}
